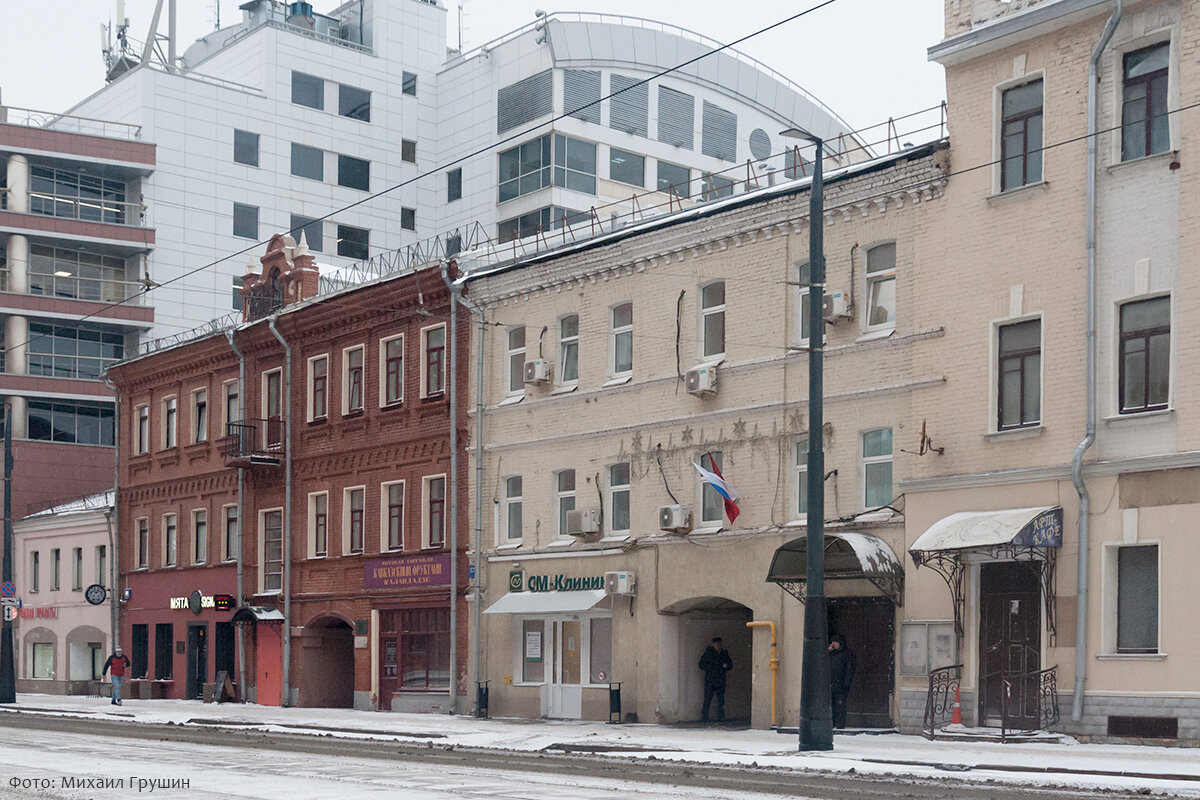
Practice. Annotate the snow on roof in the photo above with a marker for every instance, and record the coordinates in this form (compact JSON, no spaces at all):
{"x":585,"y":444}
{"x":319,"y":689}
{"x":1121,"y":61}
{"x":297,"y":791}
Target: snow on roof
{"x":94,"y":502}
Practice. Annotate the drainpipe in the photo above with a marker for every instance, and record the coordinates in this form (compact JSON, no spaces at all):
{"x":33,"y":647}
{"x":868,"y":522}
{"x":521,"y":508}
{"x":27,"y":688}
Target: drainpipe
{"x":114,"y":598}
{"x":1081,"y":612}
{"x":241,"y":643}
{"x":287,"y":513}
{"x":455,"y":292}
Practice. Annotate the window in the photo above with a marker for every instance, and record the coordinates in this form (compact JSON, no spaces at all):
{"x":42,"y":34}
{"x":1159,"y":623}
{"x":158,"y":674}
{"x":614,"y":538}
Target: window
{"x":525,"y":168}
{"x":41,"y":660}
{"x":712,"y":319}
{"x":512,"y":508}
{"x":354,"y":173}
{"x":200,"y":416}
{"x":142,"y":431}
{"x":61,"y":272}
{"x":73,"y":195}
{"x":170,"y":422}
{"x":102,"y":565}
{"x":435,"y":511}
{"x":352,"y":380}
{"x":199,"y":536}
{"x":568,"y":349}
{"x":424,"y":649}
{"x":622,"y":339}
{"x":618,"y":492}
{"x":245,"y":148}
{"x":237,"y":284}
{"x":516,"y":361}
{"x":164,"y":651}
{"x":142,"y":552}
{"x":308,"y":90}
{"x":1145,"y":126}
{"x":232,"y":409}
{"x":77,"y":568}
{"x":318,"y":525}
{"x":712,"y":505}
{"x":564,"y":484}
{"x":353,"y":503}
{"x":232,"y":545}
{"x":674,"y":178}
{"x":626,"y":167}
{"x":170,"y":540}
{"x":1137,"y":599}
{"x":1021,"y":136}
{"x":354,"y":103}
{"x":525,"y":225}
{"x":353,"y":242}
{"x":454,"y":185}
{"x":67,"y":421}
{"x":408,"y":83}
{"x":1019,"y":395}
{"x":803,"y":305}
{"x":715,"y":187}
{"x":35,"y":571}
{"x":391,"y":355}
{"x":272,"y":405}
{"x":881,"y":286}
{"x":877,"y":468}
{"x":1145,"y":372}
{"x":308,"y":162}
{"x":245,"y":222}
{"x":59,"y":351}
{"x":408,"y":219}
{"x":408,"y":151}
{"x":532,"y":648}
{"x":574,"y":164}
{"x":318,"y":388}
{"x":311,"y":229}
{"x":272,"y":551}
{"x":393,"y":514}
{"x":802,"y":479}
{"x":140,"y":657}
{"x":433,"y":372}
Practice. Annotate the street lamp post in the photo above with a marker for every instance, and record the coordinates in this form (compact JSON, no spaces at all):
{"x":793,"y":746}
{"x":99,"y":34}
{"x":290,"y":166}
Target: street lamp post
{"x":8,"y":677}
{"x":816,"y":723}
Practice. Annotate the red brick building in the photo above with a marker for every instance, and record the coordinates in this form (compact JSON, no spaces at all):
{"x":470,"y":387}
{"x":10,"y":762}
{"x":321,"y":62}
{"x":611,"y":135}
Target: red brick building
{"x":354,"y":584}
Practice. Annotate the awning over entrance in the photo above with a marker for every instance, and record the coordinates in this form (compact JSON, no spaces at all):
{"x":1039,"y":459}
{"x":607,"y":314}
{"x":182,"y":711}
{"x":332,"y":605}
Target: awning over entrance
{"x":848,"y":556}
{"x":547,"y":602}
{"x":250,"y":614}
{"x":1030,"y":535}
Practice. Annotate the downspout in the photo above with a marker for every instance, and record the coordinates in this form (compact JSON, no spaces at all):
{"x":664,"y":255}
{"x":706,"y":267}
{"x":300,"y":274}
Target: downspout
{"x":476,"y":589}
{"x":452,"y":393}
{"x":241,"y":642}
{"x":114,"y":570}
{"x":287,"y":513}
{"x":1081,"y":611}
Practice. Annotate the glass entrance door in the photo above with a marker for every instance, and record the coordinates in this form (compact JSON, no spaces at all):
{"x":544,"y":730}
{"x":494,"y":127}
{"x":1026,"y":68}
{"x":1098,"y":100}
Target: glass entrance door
{"x":566,"y":675}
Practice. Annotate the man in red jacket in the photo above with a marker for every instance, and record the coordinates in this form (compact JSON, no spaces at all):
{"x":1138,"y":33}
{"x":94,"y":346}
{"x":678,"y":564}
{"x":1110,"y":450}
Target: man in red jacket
{"x":119,"y":662}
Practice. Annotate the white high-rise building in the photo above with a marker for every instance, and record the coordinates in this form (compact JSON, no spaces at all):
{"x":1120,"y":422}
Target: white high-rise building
{"x":278,"y":120}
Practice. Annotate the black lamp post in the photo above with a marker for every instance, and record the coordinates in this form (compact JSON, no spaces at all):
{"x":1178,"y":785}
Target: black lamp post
{"x":816,"y":716}
{"x":8,"y":678}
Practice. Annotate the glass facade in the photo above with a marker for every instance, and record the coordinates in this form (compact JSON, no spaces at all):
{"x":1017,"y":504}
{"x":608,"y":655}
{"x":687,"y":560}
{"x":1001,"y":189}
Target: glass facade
{"x":58,"y":351}
{"x":73,"y":422}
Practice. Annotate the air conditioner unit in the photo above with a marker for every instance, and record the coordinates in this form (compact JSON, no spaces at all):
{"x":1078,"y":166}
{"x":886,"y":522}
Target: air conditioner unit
{"x":537,"y":371}
{"x":676,"y":519}
{"x":583,"y":521}
{"x":620,"y":583}
{"x":833,"y":306}
{"x":702,"y":381}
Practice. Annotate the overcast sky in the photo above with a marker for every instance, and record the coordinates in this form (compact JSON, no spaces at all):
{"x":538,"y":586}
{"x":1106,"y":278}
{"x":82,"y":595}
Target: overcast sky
{"x":863,"y":58}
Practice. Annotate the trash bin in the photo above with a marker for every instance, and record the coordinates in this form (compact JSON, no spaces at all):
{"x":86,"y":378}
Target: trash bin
{"x":481,"y":699}
{"x":614,"y":703}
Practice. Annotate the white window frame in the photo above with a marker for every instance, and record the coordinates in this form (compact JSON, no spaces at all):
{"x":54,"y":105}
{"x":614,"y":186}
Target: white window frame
{"x":170,"y":422}
{"x":564,"y":342}
{"x":870,"y":280}
{"x":311,"y":524}
{"x":169,"y":546}
{"x":560,"y":496}
{"x":385,"y":516}
{"x":509,"y":500}
{"x":619,"y":488}
{"x":195,"y":515}
{"x":864,"y":460}
{"x":141,"y":429}
{"x":800,"y":478}
{"x":425,"y":390}
{"x":226,"y":554}
{"x":262,"y":549}
{"x":346,"y":520}
{"x":76,"y":569}
{"x":998,"y":126}
{"x":35,"y":571}
{"x":141,"y":550}
{"x":426,"y":543}
{"x":362,"y":382}
{"x":1110,"y":597}
{"x":1172,"y":366}
{"x":616,"y":331}
{"x":707,"y":311}
{"x":199,"y":432}
{"x":509,"y":366}
{"x":803,"y":294}
{"x":384,"y":401}
{"x":56,"y":569}
{"x":310,"y":400}
{"x":703,"y":488}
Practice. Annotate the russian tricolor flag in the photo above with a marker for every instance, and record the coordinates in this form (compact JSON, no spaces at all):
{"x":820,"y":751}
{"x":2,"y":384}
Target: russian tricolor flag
{"x":717,"y":482}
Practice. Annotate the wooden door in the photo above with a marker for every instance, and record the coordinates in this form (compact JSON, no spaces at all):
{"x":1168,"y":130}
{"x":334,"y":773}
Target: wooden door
{"x":1009,"y":642}
{"x":389,"y":669}
{"x":868,"y":624}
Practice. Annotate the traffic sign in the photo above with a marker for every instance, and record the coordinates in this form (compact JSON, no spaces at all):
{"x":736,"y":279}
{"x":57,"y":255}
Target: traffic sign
{"x":7,"y":589}
{"x":10,"y":602}
{"x":10,"y":613}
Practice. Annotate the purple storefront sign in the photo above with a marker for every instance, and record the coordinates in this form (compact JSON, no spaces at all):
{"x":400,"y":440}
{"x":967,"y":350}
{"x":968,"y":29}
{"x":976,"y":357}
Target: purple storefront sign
{"x":406,"y":573}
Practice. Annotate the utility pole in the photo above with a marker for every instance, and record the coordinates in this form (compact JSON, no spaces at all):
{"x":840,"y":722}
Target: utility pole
{"x":8,"y":672}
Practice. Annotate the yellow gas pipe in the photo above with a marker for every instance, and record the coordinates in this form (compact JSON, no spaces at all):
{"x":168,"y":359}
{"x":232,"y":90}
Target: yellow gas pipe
{"x":774,"y":662}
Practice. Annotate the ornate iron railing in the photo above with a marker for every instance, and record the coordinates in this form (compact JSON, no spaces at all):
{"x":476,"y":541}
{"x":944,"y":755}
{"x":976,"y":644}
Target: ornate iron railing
{"x":251,"y":442}
{"x":944,"y":685}
{"x":1028,"y":701}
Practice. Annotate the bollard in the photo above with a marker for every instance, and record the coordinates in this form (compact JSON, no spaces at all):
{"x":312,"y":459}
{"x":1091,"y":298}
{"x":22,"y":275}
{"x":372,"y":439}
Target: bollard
{"x":614,"y":703}
{"x":481,"y":699}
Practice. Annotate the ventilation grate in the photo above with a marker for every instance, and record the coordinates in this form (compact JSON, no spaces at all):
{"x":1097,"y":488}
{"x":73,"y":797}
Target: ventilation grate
{"x":1144,"y":727}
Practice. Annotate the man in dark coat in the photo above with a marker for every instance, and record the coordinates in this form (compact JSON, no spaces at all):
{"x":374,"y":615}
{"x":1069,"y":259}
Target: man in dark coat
{"x":118,"y":662}
{"x":841,"y":674}
{"x":714,"y":664}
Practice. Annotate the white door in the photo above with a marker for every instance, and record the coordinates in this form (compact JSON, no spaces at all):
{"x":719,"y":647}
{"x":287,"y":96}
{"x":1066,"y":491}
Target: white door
{"x":566,"y":673}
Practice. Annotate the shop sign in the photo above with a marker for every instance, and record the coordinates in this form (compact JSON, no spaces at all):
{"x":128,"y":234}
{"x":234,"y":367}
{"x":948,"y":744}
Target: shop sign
{"x":219,"y":602}
{"x":48,"y":612}
{"x":563,"y":583}
{"x":406,"y":573}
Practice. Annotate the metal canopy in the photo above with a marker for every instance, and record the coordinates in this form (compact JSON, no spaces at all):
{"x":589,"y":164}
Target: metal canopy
{"x":253,"y":614}
{"x":848,"y":556}
{"x":547,"y":602}
{"x":1028,"y":535}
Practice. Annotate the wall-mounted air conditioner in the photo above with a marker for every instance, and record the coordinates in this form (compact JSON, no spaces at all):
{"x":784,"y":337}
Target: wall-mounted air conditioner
{"x":583,"y":521}
{"x":702,"y":381}
{"x":675,"y":519}
{"x":537,"y":371}
{"x":620,"y":583}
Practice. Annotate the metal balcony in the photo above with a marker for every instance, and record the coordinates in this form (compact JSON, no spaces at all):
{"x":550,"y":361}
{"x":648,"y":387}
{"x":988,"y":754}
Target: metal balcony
{"x":253,"y":443}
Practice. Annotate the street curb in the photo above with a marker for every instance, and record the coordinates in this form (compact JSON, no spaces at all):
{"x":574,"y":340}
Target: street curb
{"x":1104,"y":773}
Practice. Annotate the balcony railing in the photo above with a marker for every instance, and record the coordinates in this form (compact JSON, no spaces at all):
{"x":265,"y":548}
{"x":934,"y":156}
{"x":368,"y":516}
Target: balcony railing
{"x":253,"y":442}
{"x":69,"y":123}
{"x":86,"y":209}
{"x":78,"y":287}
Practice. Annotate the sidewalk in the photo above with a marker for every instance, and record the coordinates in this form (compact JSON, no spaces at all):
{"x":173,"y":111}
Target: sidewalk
{"x":1162,"y":770}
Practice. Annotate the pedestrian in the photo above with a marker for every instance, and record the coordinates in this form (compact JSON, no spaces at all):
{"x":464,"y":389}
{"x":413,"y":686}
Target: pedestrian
{"x":841,"y":674}
{"x":715,"y":663}
{"x":118,"y":662}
